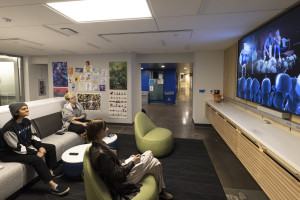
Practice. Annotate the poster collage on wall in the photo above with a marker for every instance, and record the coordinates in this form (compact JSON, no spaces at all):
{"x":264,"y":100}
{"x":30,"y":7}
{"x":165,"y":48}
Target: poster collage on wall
{"x":89,"y":82}
{"x":118,"y":104}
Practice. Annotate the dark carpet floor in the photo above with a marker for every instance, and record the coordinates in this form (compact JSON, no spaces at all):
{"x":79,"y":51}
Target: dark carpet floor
{"x":188,"y":173}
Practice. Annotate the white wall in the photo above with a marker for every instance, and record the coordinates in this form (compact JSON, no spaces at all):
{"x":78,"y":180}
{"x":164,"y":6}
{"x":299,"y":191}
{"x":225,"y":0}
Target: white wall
{"x":207,"y":75}
{"x":165,"y":58}
{"x":102,"y":61}
{"x":136,"y":86}
{"x":37,"y":72}
{"x":26,"y":65}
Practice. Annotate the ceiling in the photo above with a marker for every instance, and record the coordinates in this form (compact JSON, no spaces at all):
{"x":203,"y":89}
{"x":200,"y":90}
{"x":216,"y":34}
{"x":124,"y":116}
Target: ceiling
{"x":177,"y":26}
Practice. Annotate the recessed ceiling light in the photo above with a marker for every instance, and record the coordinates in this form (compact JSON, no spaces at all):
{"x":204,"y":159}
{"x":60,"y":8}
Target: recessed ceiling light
{"x":99,"y":10}
{"x":142,"y":68}
{"x":185,"y":68}
{"x":162,"y":66}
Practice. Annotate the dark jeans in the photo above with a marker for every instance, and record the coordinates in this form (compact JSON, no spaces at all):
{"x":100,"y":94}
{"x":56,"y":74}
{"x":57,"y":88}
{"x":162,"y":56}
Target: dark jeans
{"x":35,"y":161}
{"x":79,"y":129}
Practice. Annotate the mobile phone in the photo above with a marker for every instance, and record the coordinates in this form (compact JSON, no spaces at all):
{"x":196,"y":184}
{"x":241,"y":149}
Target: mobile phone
{"x":73,"y":153}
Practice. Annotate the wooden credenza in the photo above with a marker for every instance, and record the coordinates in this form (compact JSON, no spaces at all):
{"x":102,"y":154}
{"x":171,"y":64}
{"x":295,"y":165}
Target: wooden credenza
{"x":269,"y":152}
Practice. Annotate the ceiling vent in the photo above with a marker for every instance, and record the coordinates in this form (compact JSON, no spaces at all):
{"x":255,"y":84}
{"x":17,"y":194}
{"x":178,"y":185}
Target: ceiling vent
{"x":68,"y":31}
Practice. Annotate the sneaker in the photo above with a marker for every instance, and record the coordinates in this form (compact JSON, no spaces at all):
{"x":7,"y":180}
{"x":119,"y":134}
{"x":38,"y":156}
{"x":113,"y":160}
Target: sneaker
{"x":165,"y":195}
{"x":57,"y":175}
{"x":60,"y":190}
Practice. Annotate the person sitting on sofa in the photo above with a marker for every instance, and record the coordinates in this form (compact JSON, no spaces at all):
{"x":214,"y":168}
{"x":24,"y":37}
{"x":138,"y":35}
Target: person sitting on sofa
{"x":121,"y":179}
{"x":73,"y":115}
{"x":20,"y":144}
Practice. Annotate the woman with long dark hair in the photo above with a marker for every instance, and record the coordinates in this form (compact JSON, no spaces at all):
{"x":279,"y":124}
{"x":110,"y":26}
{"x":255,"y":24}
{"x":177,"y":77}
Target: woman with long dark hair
{"x":122,"y":179}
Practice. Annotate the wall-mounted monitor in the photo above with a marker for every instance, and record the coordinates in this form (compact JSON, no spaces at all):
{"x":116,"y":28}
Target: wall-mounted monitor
{"x":268,"y":64}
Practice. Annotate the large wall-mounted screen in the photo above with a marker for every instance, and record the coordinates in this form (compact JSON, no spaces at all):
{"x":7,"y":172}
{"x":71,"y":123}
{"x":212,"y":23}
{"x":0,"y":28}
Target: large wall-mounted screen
{"x":268,"y":64}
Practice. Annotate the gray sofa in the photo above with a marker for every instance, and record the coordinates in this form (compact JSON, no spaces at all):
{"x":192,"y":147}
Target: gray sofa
{"x":15,"y":175}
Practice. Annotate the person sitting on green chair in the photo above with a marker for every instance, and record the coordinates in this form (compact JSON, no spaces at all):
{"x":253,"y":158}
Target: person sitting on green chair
{"x":122,"y":179}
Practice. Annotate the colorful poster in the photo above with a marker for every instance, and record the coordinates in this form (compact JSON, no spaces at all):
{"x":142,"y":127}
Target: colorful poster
{"x":73,"y":87}
{"x":42,"y":87}
{"x":103,"y":80}
{"x":117,"y":104}
{"x":96,"y":71}
{"x":118,"y":75}
{"x":70,"y":70}
{"x":88,"y":76}
{"x":88,"y":87}
{"x":95,"y":88}
{"x":87,"y":68}
{"x":96,"y":79}
{"x":79,"y":70}
{"x":90,"y":101}
{"x":76,"y":77}
{"x":160,"y":81}
{"x":59,"y":92}
{"x":151,"y":82}
{"x":60,"y":74}
{"x":102,"y":87}
{"x":104,"y":72}
{"x":70,"y":79}
{"x":81,"y":77}
{"x":81,"y":86}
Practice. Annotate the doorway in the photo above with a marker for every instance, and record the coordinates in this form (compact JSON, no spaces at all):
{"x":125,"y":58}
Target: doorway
{"x":184,"y":82}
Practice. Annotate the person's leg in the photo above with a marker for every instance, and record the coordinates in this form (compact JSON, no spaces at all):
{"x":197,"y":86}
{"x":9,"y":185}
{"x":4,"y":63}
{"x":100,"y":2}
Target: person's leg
{"x":41,"y":168}
{"x":50,"y":155}
{"x":36,"y":162}
{"x":79,"y":129}
{"x":148,"y":164}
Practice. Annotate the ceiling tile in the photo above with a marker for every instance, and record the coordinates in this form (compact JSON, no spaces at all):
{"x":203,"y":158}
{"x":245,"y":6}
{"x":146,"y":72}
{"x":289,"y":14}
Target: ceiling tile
{"x":244,"y":19}
{"x":27,"y":2}
{"x":142,"y":25}
{"x":228,"y":6}
{"x":30,"y":15}
{"x":170,"y":8}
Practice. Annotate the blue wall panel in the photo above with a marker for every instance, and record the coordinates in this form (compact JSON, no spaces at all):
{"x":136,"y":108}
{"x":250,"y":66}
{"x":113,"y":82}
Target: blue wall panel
{"x":145,"y":80}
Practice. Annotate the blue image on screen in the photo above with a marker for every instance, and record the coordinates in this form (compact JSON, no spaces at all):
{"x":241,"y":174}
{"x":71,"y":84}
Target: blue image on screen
{"x":268,"y":64}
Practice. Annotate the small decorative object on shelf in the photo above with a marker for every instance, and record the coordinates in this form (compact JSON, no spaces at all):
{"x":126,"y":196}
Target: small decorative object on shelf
{"x":218,"y":98}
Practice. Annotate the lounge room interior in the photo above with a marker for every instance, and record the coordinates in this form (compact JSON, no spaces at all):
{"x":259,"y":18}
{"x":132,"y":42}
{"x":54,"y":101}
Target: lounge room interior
{"x":181,"y":78}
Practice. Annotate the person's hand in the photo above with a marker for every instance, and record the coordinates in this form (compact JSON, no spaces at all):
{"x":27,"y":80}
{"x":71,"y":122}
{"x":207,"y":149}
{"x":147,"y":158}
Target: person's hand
{"x":84,"y":124}
{"x":74,"y":118}
{"x":42,"y":150}
{"x":136,"y":159}
{"x":39,"y":154}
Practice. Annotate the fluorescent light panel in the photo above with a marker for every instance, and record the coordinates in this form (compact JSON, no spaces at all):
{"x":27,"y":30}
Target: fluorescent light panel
{"x":99,"y":10}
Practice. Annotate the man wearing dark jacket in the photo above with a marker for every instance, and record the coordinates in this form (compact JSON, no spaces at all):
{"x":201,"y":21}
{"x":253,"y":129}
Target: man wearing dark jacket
{"x":20,"y":144}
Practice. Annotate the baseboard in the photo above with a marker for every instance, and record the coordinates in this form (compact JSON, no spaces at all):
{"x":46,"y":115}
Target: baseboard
{"x":201,"y":125}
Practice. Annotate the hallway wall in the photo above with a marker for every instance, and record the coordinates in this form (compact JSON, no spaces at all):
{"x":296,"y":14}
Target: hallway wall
{"x":207,"y":75}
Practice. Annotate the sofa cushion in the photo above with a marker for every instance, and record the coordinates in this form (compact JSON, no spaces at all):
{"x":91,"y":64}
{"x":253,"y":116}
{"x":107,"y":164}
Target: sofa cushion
{"x":63,"y":142}
{"x":47,"y":125}
{"x":11,"y":178}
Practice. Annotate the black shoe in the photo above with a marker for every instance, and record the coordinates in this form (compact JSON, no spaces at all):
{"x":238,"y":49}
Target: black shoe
{"x":57,"y":175}
{"x":60,"y":190}
{"x":165,"y":196}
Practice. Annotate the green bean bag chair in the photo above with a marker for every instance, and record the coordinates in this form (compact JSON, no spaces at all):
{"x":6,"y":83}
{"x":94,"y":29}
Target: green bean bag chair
{"x":96,"y":189}
{"x":149,"y":137}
